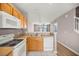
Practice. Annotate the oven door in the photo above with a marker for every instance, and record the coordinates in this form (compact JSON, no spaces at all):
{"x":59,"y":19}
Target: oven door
{"x":20,"y":49}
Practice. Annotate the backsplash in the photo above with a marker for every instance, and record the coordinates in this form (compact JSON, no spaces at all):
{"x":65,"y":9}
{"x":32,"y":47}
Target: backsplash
{"x":4,"y":31}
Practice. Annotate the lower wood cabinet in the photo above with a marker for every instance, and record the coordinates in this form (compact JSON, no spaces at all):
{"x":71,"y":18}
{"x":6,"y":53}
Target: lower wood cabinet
{"x":10,"y":54}
{"x":34,"y":43}
{"x":4,"y":51}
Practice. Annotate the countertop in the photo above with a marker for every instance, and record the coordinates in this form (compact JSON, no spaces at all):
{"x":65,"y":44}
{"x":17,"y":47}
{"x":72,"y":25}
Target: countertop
{"x":4,"y":51}
{"x":23,"y":36}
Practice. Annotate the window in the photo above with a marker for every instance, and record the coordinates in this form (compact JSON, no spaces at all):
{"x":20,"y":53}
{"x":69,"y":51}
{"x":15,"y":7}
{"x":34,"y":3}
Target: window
{"x":77,"y":24}
{"x":41,"y":28}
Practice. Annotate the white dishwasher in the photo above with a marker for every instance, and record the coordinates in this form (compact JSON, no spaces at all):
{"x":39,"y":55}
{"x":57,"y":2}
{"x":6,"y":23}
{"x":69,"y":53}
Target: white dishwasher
{"x":48,"y":43}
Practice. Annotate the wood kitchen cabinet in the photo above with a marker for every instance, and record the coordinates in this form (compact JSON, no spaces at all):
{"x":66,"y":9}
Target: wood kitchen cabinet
{"x":10,"y":54}
{"x":15,"y":12}
{"x":4,"y":51}
{"x":20,"y":17}
{"x":34,"y":43}
{"x":6,"y":7}
{"x":9,"y":8}
{"x":25,"y":22}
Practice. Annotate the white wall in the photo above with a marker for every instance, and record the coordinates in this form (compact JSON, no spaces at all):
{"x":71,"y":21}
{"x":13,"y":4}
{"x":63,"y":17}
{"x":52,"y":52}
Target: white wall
{"x":34,"y":18}
{"x":66,"y":33}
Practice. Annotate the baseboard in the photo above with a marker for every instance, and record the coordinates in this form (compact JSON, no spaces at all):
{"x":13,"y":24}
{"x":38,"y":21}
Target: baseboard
{"x":68,"y":48}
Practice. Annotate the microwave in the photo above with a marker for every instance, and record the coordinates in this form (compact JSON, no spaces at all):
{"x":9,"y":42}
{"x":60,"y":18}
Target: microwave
{"x":8,"y":21}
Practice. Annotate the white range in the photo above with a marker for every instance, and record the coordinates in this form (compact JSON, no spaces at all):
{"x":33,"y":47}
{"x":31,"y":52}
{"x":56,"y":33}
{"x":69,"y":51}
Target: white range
{"x":18,"y":45}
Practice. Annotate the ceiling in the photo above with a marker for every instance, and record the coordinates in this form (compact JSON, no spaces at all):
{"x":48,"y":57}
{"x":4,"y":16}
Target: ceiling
{"x":43,"y":12}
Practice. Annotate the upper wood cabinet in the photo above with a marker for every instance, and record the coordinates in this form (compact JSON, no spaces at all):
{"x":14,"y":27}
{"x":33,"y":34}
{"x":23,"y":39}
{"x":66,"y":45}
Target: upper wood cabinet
{"x":20,"y":16}
{"x":15,"y":12}
{"x":9,"y":8}
{"x":25,"y":22}
{"x":6,"y":7}
{"x":21,"y":19}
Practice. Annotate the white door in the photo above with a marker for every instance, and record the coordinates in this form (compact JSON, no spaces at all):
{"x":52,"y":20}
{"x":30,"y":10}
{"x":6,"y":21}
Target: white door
{"x":48,"y":43}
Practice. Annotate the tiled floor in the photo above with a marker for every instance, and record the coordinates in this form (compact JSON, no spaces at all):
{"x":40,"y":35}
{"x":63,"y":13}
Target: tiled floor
{"x":61,"y":51}
{"x":49,"y":53}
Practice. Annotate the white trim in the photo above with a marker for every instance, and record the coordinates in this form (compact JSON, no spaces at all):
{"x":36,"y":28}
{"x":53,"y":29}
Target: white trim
{"x":68,"y":48}
{"x":77,"y":31}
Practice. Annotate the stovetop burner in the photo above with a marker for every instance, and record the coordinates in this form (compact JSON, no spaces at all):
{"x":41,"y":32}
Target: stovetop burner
{"x":11,"y":43}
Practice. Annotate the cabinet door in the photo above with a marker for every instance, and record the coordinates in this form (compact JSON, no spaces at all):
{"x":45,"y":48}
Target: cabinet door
{"x":6,"y":7}
{"x":10,"y":54}
{"x":34,"y":44}
{"x":5,"y":51}
{"x":20,"y":16}
{"x":22,"y":21}
{"x":48,"y":43}
{"x":15,"y":13}
{"x":25,"y":22}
